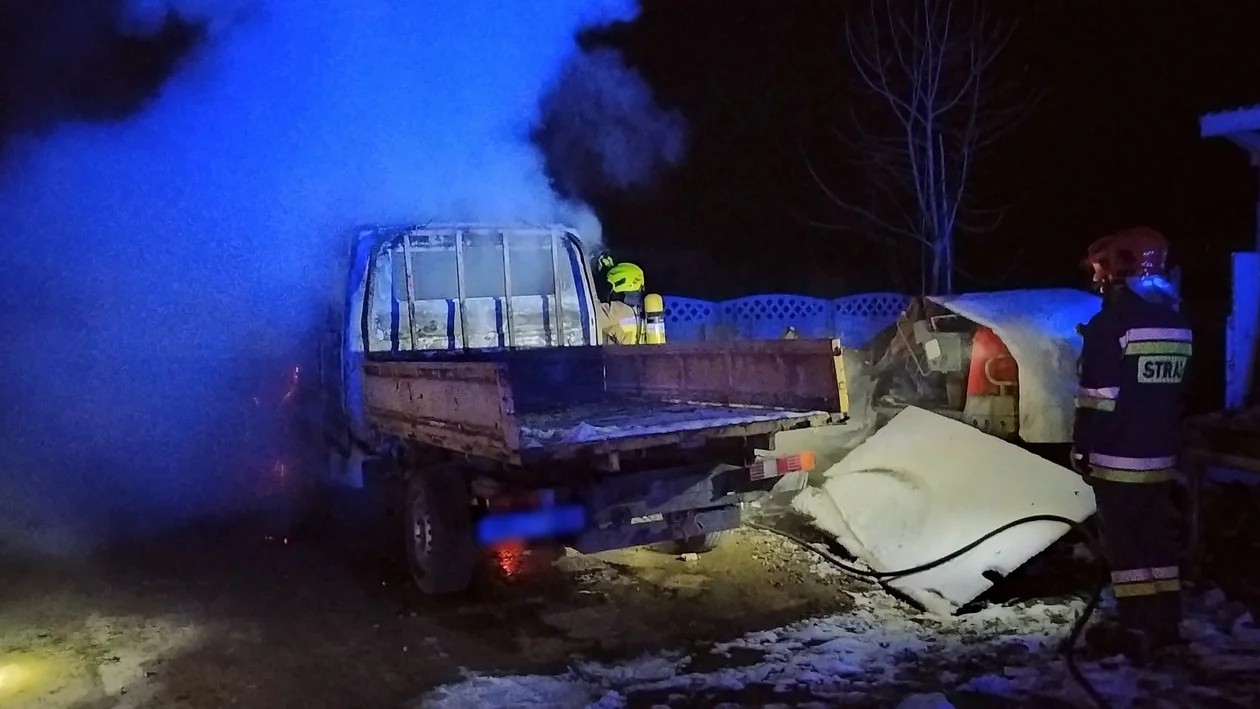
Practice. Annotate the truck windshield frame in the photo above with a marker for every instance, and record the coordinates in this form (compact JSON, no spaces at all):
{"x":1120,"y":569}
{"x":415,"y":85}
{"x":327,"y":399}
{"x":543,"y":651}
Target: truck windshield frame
{"x":476,"y":287}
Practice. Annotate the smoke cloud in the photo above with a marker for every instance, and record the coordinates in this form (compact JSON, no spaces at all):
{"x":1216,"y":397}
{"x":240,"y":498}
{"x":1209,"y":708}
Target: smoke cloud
{"x":163,"y":272}
{"x":602,"y":131}
{"x":67,"y":60}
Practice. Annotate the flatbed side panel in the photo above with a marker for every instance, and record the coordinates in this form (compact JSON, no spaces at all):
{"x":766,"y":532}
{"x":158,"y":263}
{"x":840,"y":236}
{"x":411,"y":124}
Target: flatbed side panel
{"x":542,"y":378}
{"x":555,"y":377}
{"x":462,"y":406}
{"x":792,"y":374}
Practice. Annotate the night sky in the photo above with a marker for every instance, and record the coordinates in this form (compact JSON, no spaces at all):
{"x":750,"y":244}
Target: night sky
{"x":1112,"y":142}
{"x":1111,"y":139}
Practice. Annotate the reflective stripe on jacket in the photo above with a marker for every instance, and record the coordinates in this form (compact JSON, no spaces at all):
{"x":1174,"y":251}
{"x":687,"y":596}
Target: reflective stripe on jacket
{"x":1146,"y":581}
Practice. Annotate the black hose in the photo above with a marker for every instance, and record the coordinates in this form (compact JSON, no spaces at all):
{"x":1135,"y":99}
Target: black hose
{"x":1069,"y":645}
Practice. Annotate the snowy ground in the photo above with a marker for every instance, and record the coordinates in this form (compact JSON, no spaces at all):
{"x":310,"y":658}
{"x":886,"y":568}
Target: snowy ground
{"x":879,"y":652}
{"x":232,"y":615}
{"x":232,"y":618}
{"x":883,"y":653}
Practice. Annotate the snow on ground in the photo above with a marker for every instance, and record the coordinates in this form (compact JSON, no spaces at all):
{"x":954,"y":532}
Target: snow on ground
{"x":883,"y":649}
{"x":105,"y":661}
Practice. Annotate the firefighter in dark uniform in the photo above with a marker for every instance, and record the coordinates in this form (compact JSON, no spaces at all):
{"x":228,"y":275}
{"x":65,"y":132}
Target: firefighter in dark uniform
{"x":1133,"y":364}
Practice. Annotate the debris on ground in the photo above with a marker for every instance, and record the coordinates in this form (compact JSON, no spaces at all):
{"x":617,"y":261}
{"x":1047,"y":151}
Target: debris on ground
{"x":926,"y":486}
{"x":190,"y":622}
{"x":226,"y":616}
{"x":884,"y":651}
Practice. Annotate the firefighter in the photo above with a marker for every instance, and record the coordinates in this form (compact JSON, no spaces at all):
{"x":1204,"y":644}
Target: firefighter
{"x":621,"y":286}
{"x":1132,"y":370}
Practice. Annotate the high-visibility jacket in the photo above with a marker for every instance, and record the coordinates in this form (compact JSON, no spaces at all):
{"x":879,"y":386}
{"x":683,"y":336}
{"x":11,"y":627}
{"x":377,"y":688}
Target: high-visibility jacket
{"x":1133,"y":365}
{"x":619,"y":323}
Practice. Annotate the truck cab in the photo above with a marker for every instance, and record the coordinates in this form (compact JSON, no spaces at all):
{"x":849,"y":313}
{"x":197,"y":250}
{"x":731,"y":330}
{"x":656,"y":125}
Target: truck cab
{"x":443,"y":289}
{"x":471,"y":287}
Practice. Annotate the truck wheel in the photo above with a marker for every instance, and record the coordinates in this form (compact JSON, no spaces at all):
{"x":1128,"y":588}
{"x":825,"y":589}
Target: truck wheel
{"x":698,"y":544}
{"x":438,"y":529}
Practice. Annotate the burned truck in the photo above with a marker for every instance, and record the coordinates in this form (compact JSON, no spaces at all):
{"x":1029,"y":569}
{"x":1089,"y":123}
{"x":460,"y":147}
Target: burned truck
{"x":464,"y":381}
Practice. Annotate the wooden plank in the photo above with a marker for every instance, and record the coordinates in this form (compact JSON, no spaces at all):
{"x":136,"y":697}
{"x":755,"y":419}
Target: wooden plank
{"x":1241,"y":463}
{"x":1220,"y":439}
{"x":806,"y":375}
{"x":1236,"y":434}
{"x":1195,"y":464}
{"x":461,"y":406}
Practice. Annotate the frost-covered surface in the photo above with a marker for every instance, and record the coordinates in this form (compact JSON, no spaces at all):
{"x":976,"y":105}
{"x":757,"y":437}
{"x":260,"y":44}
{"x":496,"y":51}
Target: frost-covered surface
{"x":883,"y":650}
{"x":598,"y":423}
{"x":1039,"y":328}
{"x":926,"y":485}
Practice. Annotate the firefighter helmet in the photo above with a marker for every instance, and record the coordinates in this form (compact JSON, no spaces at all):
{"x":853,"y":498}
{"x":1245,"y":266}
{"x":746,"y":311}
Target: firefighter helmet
{"x":625,"y":278}
{"x":1132,"y":253}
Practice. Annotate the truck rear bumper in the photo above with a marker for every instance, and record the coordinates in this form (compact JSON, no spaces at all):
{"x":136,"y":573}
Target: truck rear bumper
{"x":646,"y":507}
{"x":660,"y":528}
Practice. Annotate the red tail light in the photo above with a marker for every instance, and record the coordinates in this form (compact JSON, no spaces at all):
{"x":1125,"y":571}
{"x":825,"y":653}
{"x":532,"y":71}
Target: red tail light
{"x":776,"y":467}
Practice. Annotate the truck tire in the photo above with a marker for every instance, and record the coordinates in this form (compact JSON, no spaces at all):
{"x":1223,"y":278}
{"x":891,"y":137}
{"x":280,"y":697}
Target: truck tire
{"x":438,"y":531}
{"x":698,"y":544}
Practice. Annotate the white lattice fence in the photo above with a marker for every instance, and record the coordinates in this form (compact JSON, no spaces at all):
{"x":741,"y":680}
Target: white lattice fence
{"x":858,"y":318}
{"x":766,"y":317}
{"x":690,"y":319}
{"x":855,"y":319}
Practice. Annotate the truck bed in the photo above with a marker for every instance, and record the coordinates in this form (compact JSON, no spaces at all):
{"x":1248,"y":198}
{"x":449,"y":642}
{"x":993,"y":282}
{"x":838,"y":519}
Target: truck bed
{"x":518,"y":406}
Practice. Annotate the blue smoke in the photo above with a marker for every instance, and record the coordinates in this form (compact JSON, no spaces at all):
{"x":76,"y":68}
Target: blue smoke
{"x":163,"y":272}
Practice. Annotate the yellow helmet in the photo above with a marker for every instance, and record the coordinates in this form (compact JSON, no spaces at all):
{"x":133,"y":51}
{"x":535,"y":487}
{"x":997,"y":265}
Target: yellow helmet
{"x":625,"y":278}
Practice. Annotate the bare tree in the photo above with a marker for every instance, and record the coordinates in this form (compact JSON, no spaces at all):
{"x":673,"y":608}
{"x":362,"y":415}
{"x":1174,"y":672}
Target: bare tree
{"x":928,"y":67}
